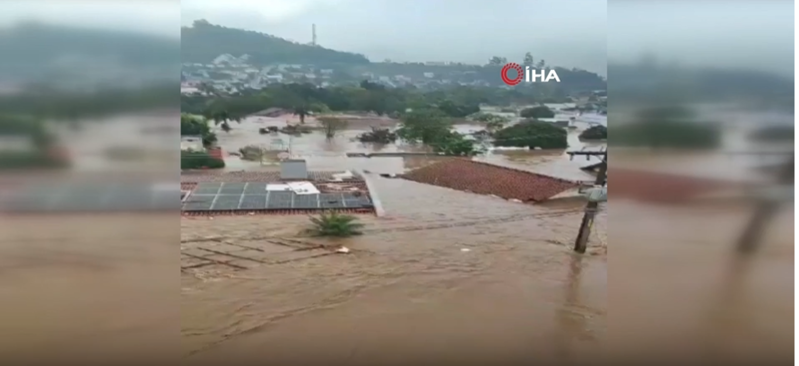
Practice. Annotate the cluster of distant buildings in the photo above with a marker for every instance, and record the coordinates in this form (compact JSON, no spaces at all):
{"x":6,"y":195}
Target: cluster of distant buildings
{"x":230,"y":73}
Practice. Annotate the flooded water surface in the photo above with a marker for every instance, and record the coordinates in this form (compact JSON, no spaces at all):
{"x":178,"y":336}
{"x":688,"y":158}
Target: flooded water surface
{"x":444,"y":276}
{"x":453,"y":276}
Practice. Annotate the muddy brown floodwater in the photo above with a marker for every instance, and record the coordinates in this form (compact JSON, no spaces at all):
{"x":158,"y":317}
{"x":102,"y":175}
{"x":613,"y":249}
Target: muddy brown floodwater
{"x":452,"y":276}
{"x":445,"y":275}
{"x":408,"y":291}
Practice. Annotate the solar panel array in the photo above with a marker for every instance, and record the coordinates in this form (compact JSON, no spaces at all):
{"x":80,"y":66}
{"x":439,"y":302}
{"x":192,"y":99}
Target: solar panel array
{"x":208,"y":196}
{"x":91,"y":197}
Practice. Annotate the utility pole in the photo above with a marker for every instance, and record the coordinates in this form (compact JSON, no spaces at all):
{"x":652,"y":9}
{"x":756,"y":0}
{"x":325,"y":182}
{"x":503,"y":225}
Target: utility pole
{"x":765,"y":211}
{"x":581,"y":243}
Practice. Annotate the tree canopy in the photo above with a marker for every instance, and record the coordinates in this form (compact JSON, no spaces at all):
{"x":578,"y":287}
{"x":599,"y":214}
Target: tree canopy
{"x":541,"y":111}
{"x":667,"y":127}
{"x":532,"y":134}
{"x":303,"y":98}
{"x":595,"y":133}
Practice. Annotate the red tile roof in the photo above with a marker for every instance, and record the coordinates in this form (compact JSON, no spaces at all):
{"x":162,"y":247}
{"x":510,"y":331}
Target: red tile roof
{"x":484,"y":178}
{"x":663,"y":187}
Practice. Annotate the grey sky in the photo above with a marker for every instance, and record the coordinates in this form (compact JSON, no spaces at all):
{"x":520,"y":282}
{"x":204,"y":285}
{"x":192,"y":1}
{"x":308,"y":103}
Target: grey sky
{"x":754,"y":34}
{"x":570,"y":33}
{"x":565,"y":33}
{"x":159,"y":17}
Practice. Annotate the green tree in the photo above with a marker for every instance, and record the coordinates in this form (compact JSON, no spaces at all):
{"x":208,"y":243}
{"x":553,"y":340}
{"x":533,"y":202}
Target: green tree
{"x":528,"y":59}
{"x":595,"y":133}
{"x":332,"y":125}
{"x":667,"y":127}
{"x":453,"y":143}
{"x":197,"y":126}
{"x":773,"y":134}
{"x":497,"y":61}
{"x":541,"y":111}
{"x":199,"y":160}
{"x":220,"y":117}
{"x":532,"y":134}
{"x":427,"y":126}
{"x":301,"y":110}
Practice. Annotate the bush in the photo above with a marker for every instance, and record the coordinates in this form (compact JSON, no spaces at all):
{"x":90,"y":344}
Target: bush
{"x":454,"y":143}
{"x":334,"y":224}
{"x":199,"y":160}
{"x":378,"y":135}
{"x":541,"y":111}
{"x":773,"y":134}
{"x":595,"y":133}
{"x":29,"y":160}
{"x":251,"y":152}
{"x":667,"y":134}
{"x":532,"y":134}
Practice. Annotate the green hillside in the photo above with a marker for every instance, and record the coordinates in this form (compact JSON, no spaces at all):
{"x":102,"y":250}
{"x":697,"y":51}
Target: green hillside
{"x":203,"y":41}
{"x":32,"y":50}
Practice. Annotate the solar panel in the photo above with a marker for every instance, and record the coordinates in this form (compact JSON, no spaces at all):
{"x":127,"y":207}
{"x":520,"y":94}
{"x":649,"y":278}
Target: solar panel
{"x":207,"y":188}
{"x":255,"y":188}
{"x":232,"y":188}
{"x":235,"y":196}
{"x":253,"y":202}
{"x":226,"y":202}
{"x":280,"y":200}
{"x":278,"y":205}
{"x":94,"y":197}
{"x":331,"y":200}
{"x":200,"y":198}
{"x":196,"y":206}
{"x":306,"y":202}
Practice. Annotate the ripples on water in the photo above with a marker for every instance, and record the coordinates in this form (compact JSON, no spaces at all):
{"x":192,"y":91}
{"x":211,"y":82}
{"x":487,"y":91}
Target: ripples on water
{"x":408,"y":280}
{"x":408,"y":291}
{"x":518,"y":293}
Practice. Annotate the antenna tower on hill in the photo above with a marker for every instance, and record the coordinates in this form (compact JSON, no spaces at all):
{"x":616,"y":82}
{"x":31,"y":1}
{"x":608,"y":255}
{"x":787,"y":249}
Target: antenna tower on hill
{"x":313,"y":35}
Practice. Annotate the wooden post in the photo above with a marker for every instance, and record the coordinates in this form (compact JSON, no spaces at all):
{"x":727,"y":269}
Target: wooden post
{"x":581,"y":243}
{"x":765,"y":211}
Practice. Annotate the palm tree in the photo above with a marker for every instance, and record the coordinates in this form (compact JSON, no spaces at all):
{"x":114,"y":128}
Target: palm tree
{"x":335,"y":225}
{"x":222,"y":117}
{"x":301,"y":110}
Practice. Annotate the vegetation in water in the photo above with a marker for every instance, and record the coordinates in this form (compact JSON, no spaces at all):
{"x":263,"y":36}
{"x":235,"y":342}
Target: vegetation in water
{"x":251,"y":153}
{"x":334,"y":224}
{"x":773,"y":134}
{"x":532,"y":134}
{"x":199,"y":160}
{"x":378,"y":135}
{"x":667,"y":127}
{"x":197,"y":126}
{"x":595,"y":133}
{"x":537,"y":112}
{"x":42,"y":151}
{"x":332,"y":125}
{"x":433,"y":128}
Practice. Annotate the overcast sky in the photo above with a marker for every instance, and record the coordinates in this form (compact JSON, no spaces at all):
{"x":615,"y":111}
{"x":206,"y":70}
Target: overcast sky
{"x":569,"y":33}
{"x":565,"y":33}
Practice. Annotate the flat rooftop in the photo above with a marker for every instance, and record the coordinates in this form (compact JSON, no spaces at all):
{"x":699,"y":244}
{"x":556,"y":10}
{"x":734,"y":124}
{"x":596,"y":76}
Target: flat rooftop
{"x":215,"y":198}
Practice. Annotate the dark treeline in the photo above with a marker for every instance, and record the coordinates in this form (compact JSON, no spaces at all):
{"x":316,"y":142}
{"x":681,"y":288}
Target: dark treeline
{"x":59,"y":105}
{"x":457,"y":102}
